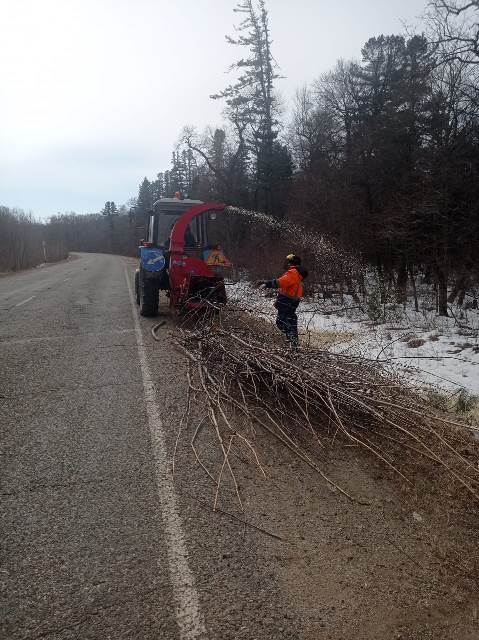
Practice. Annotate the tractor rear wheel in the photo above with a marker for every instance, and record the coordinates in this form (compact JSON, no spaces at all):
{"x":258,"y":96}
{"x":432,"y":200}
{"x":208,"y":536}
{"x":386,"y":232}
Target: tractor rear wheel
{"x":149,"y":298}
{"x":137,"y":287}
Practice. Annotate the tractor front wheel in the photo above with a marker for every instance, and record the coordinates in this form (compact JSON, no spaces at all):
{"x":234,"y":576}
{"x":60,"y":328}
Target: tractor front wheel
{"x":149,"y":298}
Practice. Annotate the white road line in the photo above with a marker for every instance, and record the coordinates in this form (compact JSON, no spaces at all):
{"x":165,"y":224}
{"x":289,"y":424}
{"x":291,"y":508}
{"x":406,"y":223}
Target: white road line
{"x":188,"y":613}
{"x":25,"y":301}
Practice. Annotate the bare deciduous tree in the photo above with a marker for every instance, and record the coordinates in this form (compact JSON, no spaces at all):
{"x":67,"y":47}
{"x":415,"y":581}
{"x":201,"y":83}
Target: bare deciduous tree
{"x":455,"y":25}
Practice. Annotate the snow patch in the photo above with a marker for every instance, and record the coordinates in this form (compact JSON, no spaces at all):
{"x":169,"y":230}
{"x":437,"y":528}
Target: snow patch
{"x":424,"y":348}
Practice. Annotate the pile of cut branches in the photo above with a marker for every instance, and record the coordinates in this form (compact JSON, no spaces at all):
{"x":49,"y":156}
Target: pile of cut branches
{"x":311,"y":399}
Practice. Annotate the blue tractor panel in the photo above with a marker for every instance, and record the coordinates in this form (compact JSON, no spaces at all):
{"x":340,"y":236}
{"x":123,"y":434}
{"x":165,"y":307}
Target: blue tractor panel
{"x":152,"y":259}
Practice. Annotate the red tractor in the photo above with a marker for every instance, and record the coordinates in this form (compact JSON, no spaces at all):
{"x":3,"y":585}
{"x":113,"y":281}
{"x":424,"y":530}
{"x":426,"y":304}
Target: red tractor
{"x":178,"y":258}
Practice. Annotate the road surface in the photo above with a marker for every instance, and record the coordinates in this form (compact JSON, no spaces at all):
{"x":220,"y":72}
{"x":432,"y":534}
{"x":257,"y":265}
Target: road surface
{"x":100,"y":540}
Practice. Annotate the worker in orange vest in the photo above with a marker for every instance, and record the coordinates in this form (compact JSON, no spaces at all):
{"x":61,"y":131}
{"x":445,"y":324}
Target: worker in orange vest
{"x":290,"y":292}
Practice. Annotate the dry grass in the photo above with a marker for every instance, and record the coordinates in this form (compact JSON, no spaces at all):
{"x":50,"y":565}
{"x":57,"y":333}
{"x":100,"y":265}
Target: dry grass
{"x":326,"y":339}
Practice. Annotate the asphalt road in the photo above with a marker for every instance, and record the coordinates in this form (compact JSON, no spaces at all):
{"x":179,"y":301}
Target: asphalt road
{"x":99,"y":539}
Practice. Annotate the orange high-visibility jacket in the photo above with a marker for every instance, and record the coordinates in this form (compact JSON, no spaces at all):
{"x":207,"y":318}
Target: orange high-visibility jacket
{"x":290,"y":283}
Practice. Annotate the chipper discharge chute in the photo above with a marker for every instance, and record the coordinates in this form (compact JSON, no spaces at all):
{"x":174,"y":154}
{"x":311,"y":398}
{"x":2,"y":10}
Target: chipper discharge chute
{"x":178,"y":258}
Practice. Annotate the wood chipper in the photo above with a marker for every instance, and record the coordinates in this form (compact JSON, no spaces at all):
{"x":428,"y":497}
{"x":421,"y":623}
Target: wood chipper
{"x":178,"y":258}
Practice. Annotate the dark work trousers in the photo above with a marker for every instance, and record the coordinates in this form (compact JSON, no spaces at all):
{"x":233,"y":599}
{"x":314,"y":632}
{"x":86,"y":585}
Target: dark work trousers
{"x":287,"y":320}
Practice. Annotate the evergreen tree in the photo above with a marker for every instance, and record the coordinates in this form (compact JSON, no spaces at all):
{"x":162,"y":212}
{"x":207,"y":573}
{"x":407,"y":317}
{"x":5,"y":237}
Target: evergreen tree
{"x":169,"y":192}
{"x":158,"y":187}
{"x":175,"y":174}
{"x":190,"y":171}
{"x":251,"y":99}
{"x":110,"y":209}
{"x":143,"y":203}
{"x":218,"y":151}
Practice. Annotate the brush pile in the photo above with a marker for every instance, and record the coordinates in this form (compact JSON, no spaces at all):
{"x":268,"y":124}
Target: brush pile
{"x":312,"y":399}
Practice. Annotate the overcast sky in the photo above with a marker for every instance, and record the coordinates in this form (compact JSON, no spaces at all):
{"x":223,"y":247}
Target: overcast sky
{"x":93,"y":93}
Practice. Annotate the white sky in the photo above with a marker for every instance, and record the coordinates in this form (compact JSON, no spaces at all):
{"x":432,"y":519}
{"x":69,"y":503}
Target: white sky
{"x":93,"y":93}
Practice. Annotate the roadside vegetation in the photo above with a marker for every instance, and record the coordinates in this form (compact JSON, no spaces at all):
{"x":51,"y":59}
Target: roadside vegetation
{"x":26,"y":242}
{"x":381,"y":154}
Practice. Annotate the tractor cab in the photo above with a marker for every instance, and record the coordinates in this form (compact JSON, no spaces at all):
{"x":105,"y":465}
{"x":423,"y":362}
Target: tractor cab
{"x":197,"y":234}
{"x":166,"y":212}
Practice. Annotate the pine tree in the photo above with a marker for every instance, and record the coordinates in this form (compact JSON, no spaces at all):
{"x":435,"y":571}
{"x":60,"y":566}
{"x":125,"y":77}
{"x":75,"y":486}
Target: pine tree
{"x":174,"y":174}
{"x":143,"y":203}
{"x":158,"y":187}
{"x":251,"y":98}
{"x":190,"y":171}
{"x":110,"y":211}
{"x":169,"y":193}
{"x":218,"y":150}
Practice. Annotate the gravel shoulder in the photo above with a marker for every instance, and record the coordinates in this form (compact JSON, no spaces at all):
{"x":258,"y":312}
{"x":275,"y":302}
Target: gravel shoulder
{"x":394,"y":564}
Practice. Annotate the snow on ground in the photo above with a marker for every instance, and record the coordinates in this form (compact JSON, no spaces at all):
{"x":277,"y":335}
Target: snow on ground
{"x":425,"y":348}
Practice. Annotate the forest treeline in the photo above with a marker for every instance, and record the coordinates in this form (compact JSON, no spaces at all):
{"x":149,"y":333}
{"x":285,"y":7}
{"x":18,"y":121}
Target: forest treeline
{"x":380,"y":154}
{"x":25,"y":242}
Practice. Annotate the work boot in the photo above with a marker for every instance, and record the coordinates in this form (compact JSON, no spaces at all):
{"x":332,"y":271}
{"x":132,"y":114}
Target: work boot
{"x":293,"y":342}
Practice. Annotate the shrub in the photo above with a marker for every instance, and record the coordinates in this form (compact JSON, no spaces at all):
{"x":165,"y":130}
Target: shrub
{"x":465,"y":402}
{"x":415,"y":343}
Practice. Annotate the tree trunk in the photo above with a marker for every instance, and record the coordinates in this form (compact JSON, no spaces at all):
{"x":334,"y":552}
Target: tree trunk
{"x":442,"y":291}
{"x":457,"y":288}
{"x":351,"y":291}
{"x":401,"y":285}
{"x":414,"y":289}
